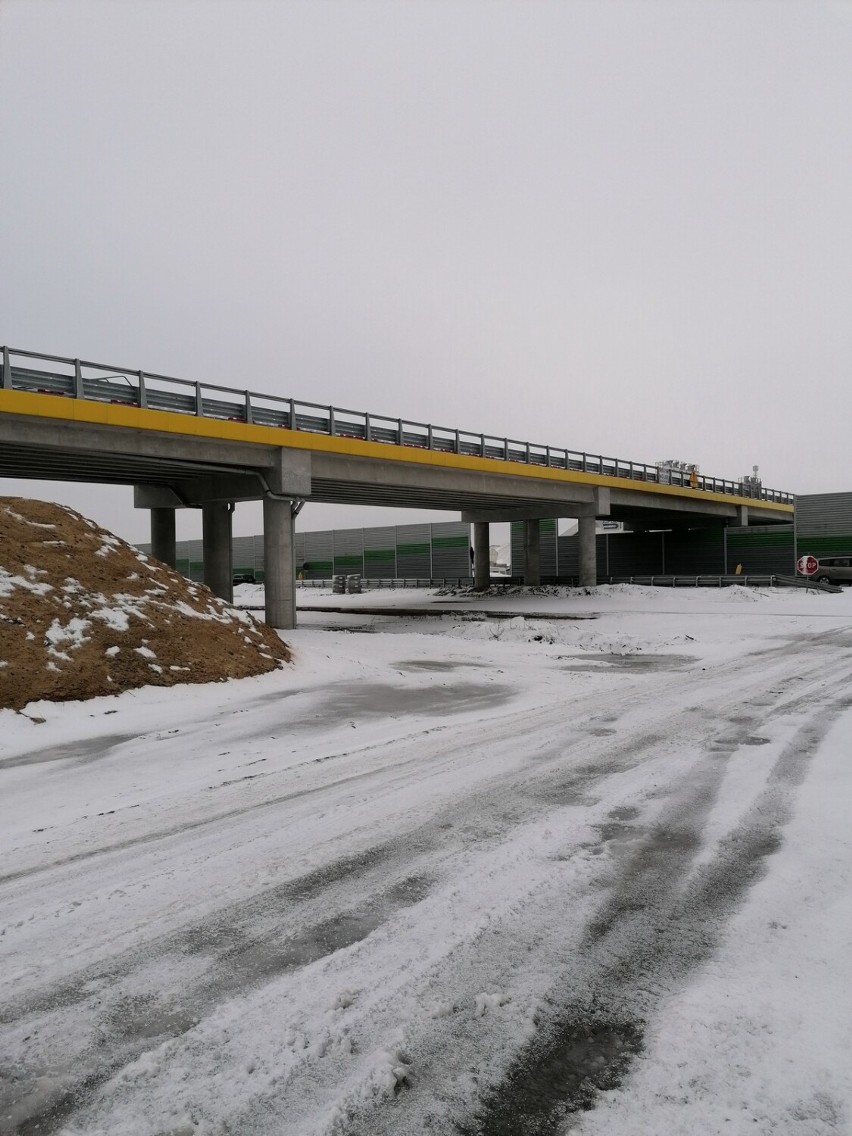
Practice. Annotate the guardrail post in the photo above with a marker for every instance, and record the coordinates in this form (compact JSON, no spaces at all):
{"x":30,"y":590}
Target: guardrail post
{"x":399,"y":434}
{"x":457,"y":443}
{"x":505,"y":449}
{"x":249,"y":415}
{"x":368,"y":428}
{"x":482,"y":445}
{"x":430,"y":441}
{"x":6,"y":380}
{"x":199,"y":401}
{"x":293,"y":425}
{"x":331,"y":425}
{"x":143,"y":394}
{"x":547,"y":456}
{"x":78,"y":380}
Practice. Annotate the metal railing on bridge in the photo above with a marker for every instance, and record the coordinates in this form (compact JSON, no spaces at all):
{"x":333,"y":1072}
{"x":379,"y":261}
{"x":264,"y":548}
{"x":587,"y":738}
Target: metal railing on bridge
{"x":97,"y":382}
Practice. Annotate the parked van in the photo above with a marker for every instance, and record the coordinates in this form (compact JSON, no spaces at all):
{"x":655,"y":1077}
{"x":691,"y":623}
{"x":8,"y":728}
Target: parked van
{"x":834,"y":569}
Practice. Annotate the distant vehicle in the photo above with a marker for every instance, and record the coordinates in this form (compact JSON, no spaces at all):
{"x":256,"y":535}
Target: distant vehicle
{"x":244,"y":578}
{"x":834,"y":570}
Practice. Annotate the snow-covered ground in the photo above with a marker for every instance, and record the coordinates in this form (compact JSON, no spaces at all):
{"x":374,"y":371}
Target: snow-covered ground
{"x":455,"y":873}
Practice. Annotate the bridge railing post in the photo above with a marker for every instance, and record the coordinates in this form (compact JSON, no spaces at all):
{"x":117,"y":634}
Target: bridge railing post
{"x":221,"y":401}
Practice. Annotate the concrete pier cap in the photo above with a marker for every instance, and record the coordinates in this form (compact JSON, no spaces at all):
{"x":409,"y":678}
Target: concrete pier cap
{"x":281,"y":484}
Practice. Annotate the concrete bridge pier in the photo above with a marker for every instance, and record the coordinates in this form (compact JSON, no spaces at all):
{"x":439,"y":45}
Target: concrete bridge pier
{"x":586,"y":529}
{"x":532,"y":552}
{"x":279,"y":559}
{"x":481,"y":555}
{"x":216,"y":528}
{"x":163,"y":538}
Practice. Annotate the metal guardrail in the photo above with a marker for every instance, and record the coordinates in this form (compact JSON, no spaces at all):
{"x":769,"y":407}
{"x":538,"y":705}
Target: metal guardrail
{"x":500,"y":583}
{"x":97,"y":382}
{"x":712,"y":581}
{"x":503,"y":582}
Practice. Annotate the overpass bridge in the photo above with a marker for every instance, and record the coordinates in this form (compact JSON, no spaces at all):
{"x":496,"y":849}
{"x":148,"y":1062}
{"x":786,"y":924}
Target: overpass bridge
{"x":184,"y":443}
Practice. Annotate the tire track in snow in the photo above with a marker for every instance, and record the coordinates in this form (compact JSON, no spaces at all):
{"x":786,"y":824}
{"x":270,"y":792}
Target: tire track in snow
{"x":661,"y":920}
{"x":245,"y":950}
{"x":655,"y":929}
{"x":498,"y":809}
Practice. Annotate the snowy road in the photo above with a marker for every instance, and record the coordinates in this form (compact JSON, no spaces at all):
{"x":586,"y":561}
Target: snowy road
{"x":449,"y":875}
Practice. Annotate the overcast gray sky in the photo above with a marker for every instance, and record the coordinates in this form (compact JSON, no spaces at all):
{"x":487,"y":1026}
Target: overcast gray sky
{"x":620,"y":225}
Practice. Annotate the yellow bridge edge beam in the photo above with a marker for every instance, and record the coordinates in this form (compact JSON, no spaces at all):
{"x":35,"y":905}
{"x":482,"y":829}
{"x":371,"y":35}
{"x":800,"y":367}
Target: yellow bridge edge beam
{"x":58,"y":407}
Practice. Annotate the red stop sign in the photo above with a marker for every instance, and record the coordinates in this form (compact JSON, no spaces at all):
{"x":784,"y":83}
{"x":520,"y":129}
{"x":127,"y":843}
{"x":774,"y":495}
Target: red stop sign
{"x":807,"y":565}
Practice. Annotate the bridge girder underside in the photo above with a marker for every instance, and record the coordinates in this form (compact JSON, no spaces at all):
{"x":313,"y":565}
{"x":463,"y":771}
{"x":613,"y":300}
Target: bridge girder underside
{"x":193,"y":483}
{"x":41,"y":450}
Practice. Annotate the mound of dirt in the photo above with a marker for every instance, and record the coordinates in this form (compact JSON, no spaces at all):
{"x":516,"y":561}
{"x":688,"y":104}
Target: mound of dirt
{"x":83,"y":613}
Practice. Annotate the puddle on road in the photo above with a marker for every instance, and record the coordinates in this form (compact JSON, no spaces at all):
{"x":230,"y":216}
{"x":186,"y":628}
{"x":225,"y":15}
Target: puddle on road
{"x":383,"y":700}
{"x":634,"y":663}
{"x":83,"y":752}
{"x":353,"y":700}
{"x":436,"y":664}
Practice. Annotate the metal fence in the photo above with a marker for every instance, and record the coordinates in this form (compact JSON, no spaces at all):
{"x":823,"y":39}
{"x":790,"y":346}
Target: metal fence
{"x":97,"y":382}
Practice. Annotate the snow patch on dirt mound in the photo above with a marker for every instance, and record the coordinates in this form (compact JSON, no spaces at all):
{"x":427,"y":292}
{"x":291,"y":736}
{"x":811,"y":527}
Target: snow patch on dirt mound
{"x":83,"y":613}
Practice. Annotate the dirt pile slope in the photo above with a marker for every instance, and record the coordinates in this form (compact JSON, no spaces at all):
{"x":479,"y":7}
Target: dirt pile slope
{"x":83,"y":613}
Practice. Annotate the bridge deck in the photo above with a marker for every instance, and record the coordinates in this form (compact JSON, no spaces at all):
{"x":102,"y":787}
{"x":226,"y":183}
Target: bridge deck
{"x":73,"y":391}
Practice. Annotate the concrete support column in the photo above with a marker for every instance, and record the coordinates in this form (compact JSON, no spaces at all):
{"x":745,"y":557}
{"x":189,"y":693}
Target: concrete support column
{"x":216,"y":541}
{"x":279,"y":562}
{"x":532,"y":553}
{"x":481,"y":555}
{"x":588,"y":552}
{"x":163,"y":540}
